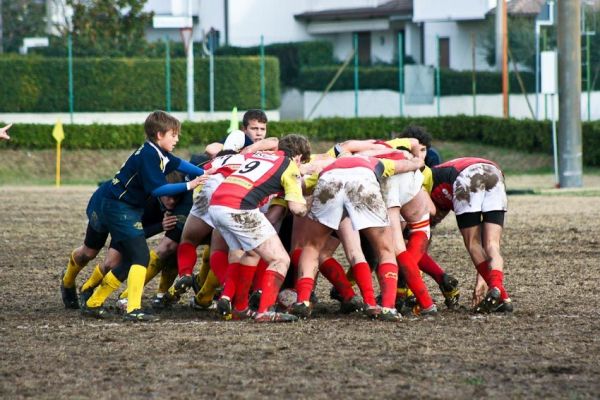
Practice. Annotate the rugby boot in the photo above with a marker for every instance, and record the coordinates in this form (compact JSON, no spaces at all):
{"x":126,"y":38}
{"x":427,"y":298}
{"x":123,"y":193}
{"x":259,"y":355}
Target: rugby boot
{"x":224,"y":308}
{"x":69,"y":295}
{"x":195,"y":305}
{"x":372,"y":311}
{"x":505,"y":306}
{"x":160,"y":301}
{"x":335,"y":295}
{"x":84,"y":295}
{"x":430,"y":311}
{"x":94,"y":312}
{"x":301,"y":310}
{"x":248,"y":313}
{"x":183,"y":283}
{"x":139,"y":315}
{"x":254,"y":299}
{"x":121,"y":305}
{"x":389,"y":314}
{"x":353,"y":305}
{"x":490,"y":303}
{"x":272,"y":316}
{"x":313,"y":298}
{"x":450,"y":290}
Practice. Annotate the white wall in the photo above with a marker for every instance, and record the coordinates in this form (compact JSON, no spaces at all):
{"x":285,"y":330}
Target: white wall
{"x":460,"y":44}
{"x":375,"y":103}
{"x":450,"y":10}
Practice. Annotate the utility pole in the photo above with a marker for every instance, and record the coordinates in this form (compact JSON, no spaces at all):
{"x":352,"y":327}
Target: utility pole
{"x":1,"y":29}
{"x":569,"y":94}
{"x":504,"y":60}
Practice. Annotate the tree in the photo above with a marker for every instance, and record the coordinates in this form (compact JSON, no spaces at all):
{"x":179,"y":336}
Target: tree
{"x":109,"y":27}
{"x":21,"y":19}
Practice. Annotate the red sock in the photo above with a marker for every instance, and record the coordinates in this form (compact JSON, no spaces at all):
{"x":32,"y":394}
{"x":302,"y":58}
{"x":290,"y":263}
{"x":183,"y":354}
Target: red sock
{"x":484,"y":270}
{"x":218,"y":264}
{"x":411,"y":273}
{"x":431,"y":268}
{"x":186,"y":258}
{"x":304,"y":287}
{"x":258,"y":276}
{"x":334,"y":272}
{"x":497,"y":280}
{"x":272,"y":281}
{"x":230,"y":280}
{"x":362,"y":274}
{"x":417,"y":243}
{"x":388,"y":279}
{"x":295,"y":262}
{"x":242,"y":286}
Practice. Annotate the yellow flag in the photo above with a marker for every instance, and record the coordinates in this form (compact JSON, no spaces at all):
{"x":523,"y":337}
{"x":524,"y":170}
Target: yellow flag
{"x":233,"y":121}
{"x":58,"y":133}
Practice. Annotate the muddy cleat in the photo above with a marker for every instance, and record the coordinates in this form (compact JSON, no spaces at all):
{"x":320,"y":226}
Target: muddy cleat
{"x":183,"y":283}
{"x":430,"y":311}
{"x":160,"y":301}
{"x":490,"y":303}
{"x":94,"y":312}
{"x":272,"y":316}
{"x":69,"y":295}
{"x":212,"y":305}
{"x":301,"y":310}
{"x":139,"y":315}
{"x":389,"y":314}
{"x":450,"y":290}
{"x":121,"y":305}
{"x":355,"y":304}
{"x":195,"y":284}
{"x":254,"y":299}
{"x":248,"y":313}
{"x":84,"y":296}
{"x":224,"y":308}
{"x":372,"y":311}
{"x":505,"y":306}
{"x":335,"y":295}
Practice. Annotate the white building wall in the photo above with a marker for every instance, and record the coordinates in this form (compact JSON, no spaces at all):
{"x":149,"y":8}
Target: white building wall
{"x":460,"y":44}
{"x":413,"y":41}
{"x":450,"y":10}
{"x":382,"y":46}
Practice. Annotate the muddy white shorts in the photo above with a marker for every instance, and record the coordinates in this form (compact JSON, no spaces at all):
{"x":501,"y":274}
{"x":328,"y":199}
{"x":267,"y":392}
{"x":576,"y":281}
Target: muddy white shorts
{"x":349,"y":191}
{"x":479,"y":188}
{"x":241,"y":229}
{"x":399,"y":189}
{"x":202,"y":198}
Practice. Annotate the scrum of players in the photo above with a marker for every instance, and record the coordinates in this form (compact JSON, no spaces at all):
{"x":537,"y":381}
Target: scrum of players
{"x":267,"y":217}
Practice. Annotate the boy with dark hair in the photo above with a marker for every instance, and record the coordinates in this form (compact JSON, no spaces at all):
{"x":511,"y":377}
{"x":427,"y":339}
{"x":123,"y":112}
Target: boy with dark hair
{"x":117,"y":208}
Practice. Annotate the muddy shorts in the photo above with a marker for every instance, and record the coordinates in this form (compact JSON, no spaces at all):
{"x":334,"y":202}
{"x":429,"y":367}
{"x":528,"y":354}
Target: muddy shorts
{"x":399,"y":189}
{"x":202,"y":198}
{"x":241,"y":229}
{"x":349,"y":191}
{"x":479,"y":188}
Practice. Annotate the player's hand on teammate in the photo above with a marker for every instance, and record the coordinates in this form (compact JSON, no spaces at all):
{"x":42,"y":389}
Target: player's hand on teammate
{"x":197,"y":181}
{"x":4,"y":132}
{"x":169,"y":221}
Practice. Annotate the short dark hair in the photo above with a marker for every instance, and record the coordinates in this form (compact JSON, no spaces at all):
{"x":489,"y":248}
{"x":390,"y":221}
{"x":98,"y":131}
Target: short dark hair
{"x":416,"y":132}
{"x":160,"y":121}
{"x":254,"y":114}
{"x":295,"y":145}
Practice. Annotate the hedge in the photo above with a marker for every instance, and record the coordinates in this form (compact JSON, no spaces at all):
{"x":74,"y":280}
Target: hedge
{"x":525,"y":135}
{"x":292,"y":56}
{"x":37,"y":84}
{"x":386,"y":77}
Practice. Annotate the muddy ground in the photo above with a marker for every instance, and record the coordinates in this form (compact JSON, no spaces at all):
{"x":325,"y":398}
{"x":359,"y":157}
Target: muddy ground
{"x":549,"y":347}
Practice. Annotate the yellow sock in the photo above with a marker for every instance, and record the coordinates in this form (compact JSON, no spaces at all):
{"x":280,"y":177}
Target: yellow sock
{"x":94,"y":279}
{"x":167,"y":277}
{"x":109,"y":284}
{"x":72,"y":271}
{"x":204,"y":266}
{"x":154,"y":267}
{"x":135,"y":287}
{"x":206,"y":294}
